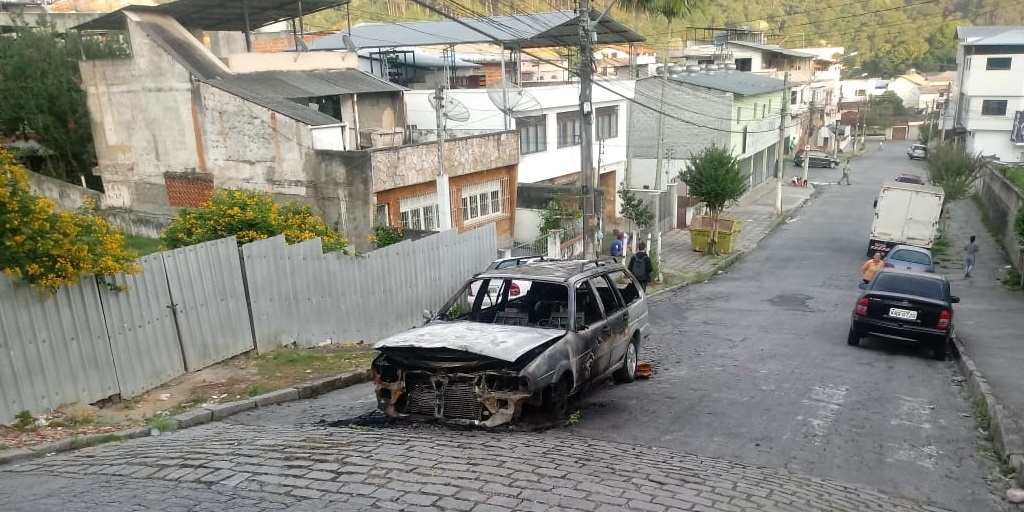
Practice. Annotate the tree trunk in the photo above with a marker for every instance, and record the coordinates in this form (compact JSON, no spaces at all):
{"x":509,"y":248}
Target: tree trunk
{"x":713,"y":239}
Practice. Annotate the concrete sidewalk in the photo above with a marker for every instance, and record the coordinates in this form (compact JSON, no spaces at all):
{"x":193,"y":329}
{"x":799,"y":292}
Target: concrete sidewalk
{"x":756,"y":213}
{"x":990,"y":329}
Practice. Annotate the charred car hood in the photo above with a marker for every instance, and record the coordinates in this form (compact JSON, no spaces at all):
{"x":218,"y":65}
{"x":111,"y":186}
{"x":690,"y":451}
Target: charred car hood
{"x":503,"y":342}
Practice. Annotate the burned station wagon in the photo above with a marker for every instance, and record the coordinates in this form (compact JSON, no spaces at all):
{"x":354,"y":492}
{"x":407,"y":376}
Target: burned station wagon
{"x":484,"y":356}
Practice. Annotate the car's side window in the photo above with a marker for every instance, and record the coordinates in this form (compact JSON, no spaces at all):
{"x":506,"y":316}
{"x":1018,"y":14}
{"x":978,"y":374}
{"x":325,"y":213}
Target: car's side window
{"x":609,"y":299}
{"x":628,"y":288}
{"x":588,"y":305}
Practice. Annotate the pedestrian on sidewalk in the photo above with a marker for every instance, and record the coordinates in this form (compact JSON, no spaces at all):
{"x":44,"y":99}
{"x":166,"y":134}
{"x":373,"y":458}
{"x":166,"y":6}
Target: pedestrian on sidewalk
{"x":871,"y":266}
{"x":846,"y":173}
{"x":616,"y":248}
{"x":640,"y":265}
{"x":880,"y":144}
{"x":970,"y":253}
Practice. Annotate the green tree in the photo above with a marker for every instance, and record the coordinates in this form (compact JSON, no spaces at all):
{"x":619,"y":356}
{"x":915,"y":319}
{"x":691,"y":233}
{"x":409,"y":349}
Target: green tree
{"x":953,"y":169}
{"x":249,"y":216}
{"x":47,"y":248}
{"x":634,"y":209}
{"x":559,"y":209}
{"x":928,"y":132}
{"x":884,"y":110}
{"x":43,"y":97}
{"x":1018,"y":226}
{"x":713,"y":175}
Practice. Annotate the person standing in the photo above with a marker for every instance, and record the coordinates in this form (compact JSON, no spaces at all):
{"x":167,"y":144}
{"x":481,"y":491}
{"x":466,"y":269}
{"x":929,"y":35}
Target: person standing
{"x":616,"y":249}
{"x":641,"y":266}
{"x":846,"y":174}
{"x":871,"y":266}
{"x":970,"y":253}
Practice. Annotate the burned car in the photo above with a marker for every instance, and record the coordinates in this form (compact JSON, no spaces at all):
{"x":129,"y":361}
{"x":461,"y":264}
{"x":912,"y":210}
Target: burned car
{"x":484,"y":356}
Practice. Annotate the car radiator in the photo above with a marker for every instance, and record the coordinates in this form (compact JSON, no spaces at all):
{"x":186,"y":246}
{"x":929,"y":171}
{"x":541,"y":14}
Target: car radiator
{"x":443,"y":397}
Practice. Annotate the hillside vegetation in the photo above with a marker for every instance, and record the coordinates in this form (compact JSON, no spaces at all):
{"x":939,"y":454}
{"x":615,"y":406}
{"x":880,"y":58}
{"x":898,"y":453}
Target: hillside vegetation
{"x":889,"y":36}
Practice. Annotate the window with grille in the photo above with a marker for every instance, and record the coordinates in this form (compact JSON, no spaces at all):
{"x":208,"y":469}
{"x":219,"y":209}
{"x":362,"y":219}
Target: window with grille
{"x":481,"y":200}
{"x":569,"y":129}
{"x":607,"y":120}
{"x":533,"y":134}
{"x":420,"y":213}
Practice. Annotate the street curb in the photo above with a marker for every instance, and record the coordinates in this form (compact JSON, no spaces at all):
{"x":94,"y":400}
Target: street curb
{"x":206,"y":414}
{"x":1006,"y":432}
{"x":730,"y":260}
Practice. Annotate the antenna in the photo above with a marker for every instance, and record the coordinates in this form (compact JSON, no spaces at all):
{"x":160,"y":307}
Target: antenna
{"x":451,"y":108}
{"x":512,"y":99}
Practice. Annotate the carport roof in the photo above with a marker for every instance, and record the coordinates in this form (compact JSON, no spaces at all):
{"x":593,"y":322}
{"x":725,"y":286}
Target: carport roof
{"x":218,"y":15}
{"x":532,"y":30}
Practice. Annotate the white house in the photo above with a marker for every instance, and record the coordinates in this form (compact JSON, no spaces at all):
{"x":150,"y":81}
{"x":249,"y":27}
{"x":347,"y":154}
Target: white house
{"x":989,"y":108}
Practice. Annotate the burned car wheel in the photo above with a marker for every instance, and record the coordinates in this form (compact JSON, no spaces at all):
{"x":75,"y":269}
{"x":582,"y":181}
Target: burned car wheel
{"x":556,"y":398}
{"x":627,"y":373}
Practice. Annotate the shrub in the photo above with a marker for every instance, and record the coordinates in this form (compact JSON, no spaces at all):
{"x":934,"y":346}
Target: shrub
{"x":249,"y":216}
{"x":384,"y":236}
{"x":47,"y":248}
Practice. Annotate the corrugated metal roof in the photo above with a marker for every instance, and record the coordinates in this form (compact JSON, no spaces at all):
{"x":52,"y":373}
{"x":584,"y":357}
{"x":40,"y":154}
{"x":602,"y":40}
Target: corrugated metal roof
{"x":279,"y":90}
{"x":984,"y":31}
{"x":776,"y":49}
{"x":1015,"y":36}
{"x":218,"y":14}
{"x":419,"y":59}
{"x":533,"y":30}
{"x":736,"y":82}
{"x":183,"y":48}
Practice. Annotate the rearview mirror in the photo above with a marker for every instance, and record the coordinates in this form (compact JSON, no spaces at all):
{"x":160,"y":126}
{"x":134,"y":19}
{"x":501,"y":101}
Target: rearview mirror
{"x":953,"y":299}
{"x":427,"y":315}
{"x":863,"y":286}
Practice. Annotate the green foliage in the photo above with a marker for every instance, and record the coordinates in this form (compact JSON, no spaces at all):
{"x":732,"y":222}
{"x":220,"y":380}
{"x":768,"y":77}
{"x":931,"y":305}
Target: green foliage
{"x":384,"y":236}
{"x":142,"y":245}
{"x":24,"y":421}
{"x":47,"y":248}
{"x":713,"y":175}
{"x":634,"y":208}
{"x":884,"y":110}
{"x":559,"y":210}
{"x":928,"y":132}
{"x":43,"y":97}
{"x":249,"y":216}
{"x":1014,"y":175}
{"x":1018,"y":226}
{"x":954,"y":170}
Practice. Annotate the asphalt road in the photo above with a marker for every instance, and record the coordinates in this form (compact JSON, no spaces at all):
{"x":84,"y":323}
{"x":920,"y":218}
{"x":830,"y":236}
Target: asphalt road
{"x":754,"y":365}
{"x":758,"y":404}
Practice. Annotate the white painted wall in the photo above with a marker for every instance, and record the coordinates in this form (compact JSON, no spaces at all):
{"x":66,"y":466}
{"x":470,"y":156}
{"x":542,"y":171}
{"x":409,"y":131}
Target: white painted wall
{"x":995,"y":142}
{"x":547,"y":100}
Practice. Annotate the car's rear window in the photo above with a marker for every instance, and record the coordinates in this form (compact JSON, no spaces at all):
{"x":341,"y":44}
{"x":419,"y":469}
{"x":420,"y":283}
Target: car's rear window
{"x":911,"y":257}
{"x":910,"y":285}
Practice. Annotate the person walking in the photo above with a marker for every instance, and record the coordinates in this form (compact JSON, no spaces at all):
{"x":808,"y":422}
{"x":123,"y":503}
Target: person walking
{"x":640,"y":265}
{"x":870,"y":267}
{"x":846,"y":173}
{"x":880,"y":144}
{"x":616,"y":249}
{"x":970,"y":253}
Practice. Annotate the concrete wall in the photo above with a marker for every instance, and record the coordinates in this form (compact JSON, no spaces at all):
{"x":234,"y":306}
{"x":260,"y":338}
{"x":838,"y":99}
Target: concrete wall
{"x":67,"y":196}
{"x":1001,"y":201}
{"x":340,"y":189}
{"x":708,"y":113}
{"x":381,"y":110}
{"x":291,"y":61}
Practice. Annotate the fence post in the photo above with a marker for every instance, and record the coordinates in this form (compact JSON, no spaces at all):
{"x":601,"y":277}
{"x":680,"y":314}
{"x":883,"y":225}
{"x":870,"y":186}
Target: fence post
{"x":555,"y":243}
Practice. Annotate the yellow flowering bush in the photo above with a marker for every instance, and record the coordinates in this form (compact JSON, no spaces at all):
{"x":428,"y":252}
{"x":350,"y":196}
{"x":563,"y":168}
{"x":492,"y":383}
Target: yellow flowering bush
{"x":249,"y":216}
{"x":48,"y":248}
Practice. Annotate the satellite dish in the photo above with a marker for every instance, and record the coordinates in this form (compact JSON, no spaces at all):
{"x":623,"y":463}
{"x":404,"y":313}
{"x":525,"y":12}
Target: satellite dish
{"x":512,"y":99}
{"x":347,"y":40}
{"x":451,"y":109}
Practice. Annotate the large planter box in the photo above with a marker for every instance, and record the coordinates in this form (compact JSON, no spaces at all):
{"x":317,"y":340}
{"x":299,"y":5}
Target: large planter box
{"x":700,"y":234}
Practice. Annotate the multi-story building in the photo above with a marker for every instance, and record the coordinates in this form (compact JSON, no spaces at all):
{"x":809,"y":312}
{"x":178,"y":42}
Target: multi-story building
{"x":988,"y":112}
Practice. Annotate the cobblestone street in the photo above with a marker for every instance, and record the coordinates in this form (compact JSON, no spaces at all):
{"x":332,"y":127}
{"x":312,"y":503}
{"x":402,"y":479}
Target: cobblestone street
{"x":236,"y":467}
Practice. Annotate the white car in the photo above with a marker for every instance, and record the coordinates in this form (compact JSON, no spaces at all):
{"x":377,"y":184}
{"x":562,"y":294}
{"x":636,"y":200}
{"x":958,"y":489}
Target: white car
{"x":518,"y":288}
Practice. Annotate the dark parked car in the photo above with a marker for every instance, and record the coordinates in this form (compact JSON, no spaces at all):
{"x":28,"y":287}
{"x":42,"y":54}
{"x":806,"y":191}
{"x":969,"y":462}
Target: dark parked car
{"x":905,"y":306}
{"x":910,"y":257}
{"x":483,"y":357}
{"x":917,"y":152}
{"x":910,"y":178}
{"x":817,"y":159}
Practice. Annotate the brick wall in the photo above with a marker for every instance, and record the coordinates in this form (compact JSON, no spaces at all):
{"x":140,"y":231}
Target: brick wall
{"x":188,"y":190}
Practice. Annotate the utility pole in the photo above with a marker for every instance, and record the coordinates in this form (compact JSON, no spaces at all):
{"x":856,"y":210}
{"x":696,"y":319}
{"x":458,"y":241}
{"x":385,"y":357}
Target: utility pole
{"x":444,"y":210}
{"x":945,"y":111}
{"x":586,"y":129}
{"x":810,"y":135}
{"x":839,"y":112}
{"x":658,"y":170}
{"x":780,"y":158}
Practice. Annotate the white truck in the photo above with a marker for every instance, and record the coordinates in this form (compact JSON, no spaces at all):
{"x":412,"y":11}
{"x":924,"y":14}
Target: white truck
{"x":905,"y":213}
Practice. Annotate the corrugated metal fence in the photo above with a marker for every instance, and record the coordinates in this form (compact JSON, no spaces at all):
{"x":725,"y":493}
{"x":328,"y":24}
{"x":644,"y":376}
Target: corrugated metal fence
{"x":191,"y":307}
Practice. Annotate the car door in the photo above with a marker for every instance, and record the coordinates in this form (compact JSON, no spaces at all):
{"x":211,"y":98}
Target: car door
{"x":613,"y":335}
{"x":590,"y":327}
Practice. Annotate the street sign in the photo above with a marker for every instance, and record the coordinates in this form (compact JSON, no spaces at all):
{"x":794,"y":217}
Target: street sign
{"x":807,"y":147}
